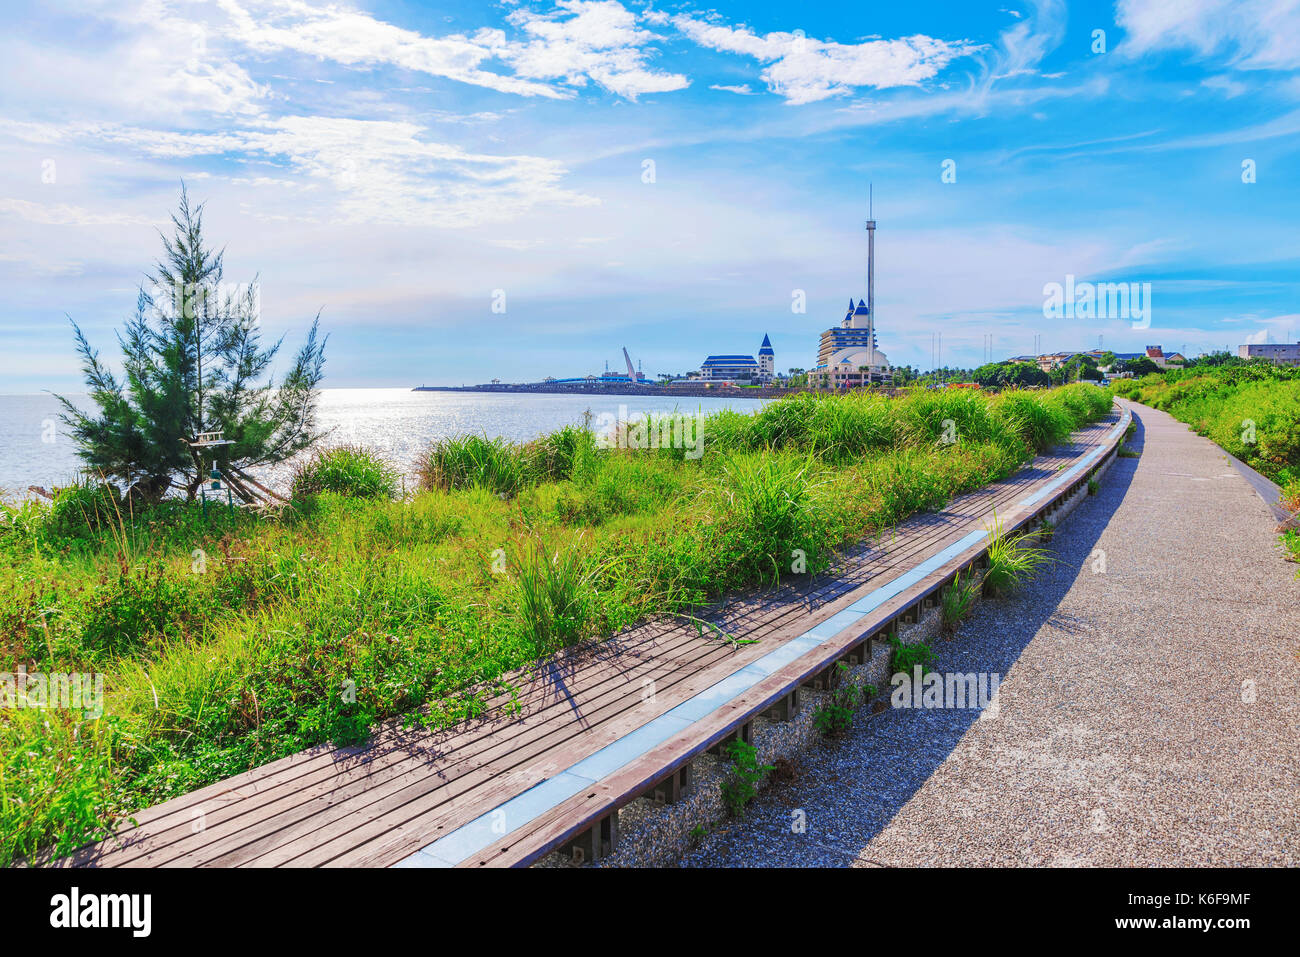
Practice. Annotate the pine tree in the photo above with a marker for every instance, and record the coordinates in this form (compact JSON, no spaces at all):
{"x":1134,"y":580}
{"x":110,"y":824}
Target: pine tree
{"x":193,"y":362}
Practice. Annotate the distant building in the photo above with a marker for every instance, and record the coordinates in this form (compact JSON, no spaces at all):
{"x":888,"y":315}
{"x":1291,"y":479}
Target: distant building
{"x":740,"y":367}
{"x":1054,"y":360}
{"x":1279,"y":353}
{"x":729,"y":367}
{"x":766,"y":360}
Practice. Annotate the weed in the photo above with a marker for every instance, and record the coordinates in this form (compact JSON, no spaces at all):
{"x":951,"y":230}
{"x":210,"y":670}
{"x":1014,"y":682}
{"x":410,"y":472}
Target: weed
{"x":742,"y":781}
{"x":903,"y":658}
{"x":474,"y":461}
{"x":1047,"y":530}
{"x":834,"y":714}
{"x":1093,"y":486}
{"x":1010,"y":560}
{"x":556,"y":593}
{"x":957,"y":603}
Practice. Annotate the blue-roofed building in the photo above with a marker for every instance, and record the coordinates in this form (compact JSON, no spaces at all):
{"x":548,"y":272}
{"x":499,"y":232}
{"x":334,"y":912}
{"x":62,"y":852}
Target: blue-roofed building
{"x":730,"y":368}
{"x":766,"y":360}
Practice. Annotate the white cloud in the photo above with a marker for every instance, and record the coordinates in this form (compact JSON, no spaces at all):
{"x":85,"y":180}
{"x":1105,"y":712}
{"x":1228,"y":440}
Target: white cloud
{"x":134,"y":60}
{"x":805,"y":70}
{"x":580,"y":40}
{"x":1250,"y":34}
{"x":357,"y":39}
{"x":1023,"y":46}
{"x":1226,"y":85}
{"x":599,"y":39}
{"x":381,"y":171}
{"x":63,"y":214}
{"x":743,"y":89}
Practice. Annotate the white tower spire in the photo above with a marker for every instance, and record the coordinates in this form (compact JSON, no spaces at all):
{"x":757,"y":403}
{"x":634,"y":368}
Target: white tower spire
{"x":871,"y":276}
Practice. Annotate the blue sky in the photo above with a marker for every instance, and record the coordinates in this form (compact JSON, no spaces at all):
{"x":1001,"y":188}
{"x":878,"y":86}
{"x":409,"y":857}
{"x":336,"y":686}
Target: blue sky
{"x":394,"y":164}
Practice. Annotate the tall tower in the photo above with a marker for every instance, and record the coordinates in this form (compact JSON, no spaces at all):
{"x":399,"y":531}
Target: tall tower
{"x":766,"y":360}
{"x":871,"y":275}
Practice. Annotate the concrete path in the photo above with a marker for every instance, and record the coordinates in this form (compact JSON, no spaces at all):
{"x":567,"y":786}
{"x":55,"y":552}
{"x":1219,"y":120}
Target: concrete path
{"x":1149,"y":712}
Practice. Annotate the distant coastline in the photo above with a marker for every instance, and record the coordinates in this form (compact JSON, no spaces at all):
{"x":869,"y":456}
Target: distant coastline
{"x":688,"y":391}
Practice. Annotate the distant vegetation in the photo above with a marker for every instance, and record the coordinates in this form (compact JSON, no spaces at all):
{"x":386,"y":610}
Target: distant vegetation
{"x":1251,"y":409}
{"x":233,"y":638}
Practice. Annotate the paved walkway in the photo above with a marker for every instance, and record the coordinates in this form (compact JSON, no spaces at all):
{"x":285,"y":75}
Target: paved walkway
{"x":1149,"y":713}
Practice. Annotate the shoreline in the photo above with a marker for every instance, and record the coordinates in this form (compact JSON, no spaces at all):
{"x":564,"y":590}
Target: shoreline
{"x":702,"y":392}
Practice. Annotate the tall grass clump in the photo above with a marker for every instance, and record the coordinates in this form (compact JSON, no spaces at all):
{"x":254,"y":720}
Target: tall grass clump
{"x":556,"y":594}
{"x":957,"y":603}
{"x":1040,"y":425}
{"x":772,"y":513}
{"x":471,"y":461}
{"x":85,"y":507}
{"x":567,"y":453}
{"x":950,"y":417}
{"x":1011,"y":561}
{"x":836,"y":428}
{"x":349,"y":470}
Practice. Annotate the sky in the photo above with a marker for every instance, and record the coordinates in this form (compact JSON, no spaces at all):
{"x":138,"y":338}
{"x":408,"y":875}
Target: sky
{"x":475,"y":190}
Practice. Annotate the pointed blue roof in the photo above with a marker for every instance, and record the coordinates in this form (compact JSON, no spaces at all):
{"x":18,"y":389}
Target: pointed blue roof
{"x":766,"y":348}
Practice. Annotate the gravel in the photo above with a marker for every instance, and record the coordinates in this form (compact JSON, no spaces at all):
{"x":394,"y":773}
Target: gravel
{"x":1148,"y":714}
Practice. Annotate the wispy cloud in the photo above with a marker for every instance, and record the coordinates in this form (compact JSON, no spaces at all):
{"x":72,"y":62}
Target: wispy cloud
{"x":804,"y":70}
{"x":1252,"y":34}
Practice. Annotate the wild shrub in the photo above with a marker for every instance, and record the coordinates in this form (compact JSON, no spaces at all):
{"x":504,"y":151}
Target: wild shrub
{"x":904,"y":658}
{"x":741,"y":783}
{"x":124,"y":612}
{"x":833,"y":715}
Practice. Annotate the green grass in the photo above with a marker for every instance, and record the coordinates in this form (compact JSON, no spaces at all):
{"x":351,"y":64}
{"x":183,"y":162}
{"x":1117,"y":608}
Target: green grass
{"x":956,"y":604}
{"x":1011,"y":561}
{"x":903,"y":658}
{"x":232,"y":639}
{"x":345,"y":470}
{"x":1251,"y":411}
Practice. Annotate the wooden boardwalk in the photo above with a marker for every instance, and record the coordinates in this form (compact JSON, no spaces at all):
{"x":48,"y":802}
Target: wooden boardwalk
{"x":594,"y":727}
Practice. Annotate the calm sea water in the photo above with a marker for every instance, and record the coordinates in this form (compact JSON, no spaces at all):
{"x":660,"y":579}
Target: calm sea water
{"x":398,"y":423}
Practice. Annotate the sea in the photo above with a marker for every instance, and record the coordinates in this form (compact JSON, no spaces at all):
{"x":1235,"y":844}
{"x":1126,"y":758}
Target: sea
{"x":399,"y":424}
